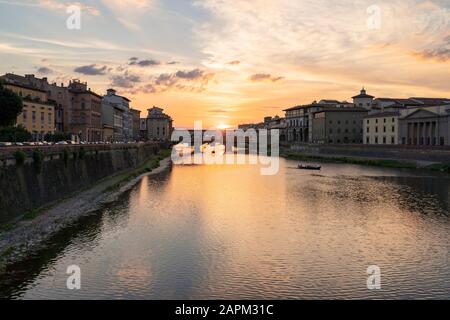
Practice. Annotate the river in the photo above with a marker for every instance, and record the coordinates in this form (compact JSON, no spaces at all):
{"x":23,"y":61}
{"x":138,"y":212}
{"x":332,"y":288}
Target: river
{"x":227,"y":232}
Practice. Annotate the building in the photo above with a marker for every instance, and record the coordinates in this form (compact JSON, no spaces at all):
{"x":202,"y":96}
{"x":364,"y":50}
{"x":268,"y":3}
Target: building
{"x":57,"y":95}
{"x":425,"y":126}
{"x":363,"y":100}
{"x":158,"y":125}
{"x":297,"y":124}
{"x":85,"y":118}
{"x":136,"y":116}
{"x":382,"y":128}
{"x":123,"y":118}
{"x":338,"y":125}
{"x":38,"y":115}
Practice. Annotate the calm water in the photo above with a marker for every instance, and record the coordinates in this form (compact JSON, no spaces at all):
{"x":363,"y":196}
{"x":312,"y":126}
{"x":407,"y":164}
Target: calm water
{"x":226,"y":232}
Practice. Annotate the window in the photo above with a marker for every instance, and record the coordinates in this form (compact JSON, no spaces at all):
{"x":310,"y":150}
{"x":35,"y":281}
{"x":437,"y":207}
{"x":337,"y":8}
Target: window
{"x":367,"y":140}
{"x":331,"y":130}
{"x":384,"y":140}
{"x":50,"y":119}
{"x":368,"y":129}
{"x":368,"y":121}
{"x":392,"y":140}
{"x":393,"y":128}
{"x":25,"y":115}
{"x":376,"y":140}
{"x":34,"y":116}
{"x":376,"y":129}
{"x":384,"y":120}
{"x":42,"y":117}
{"x":376,"y":120}
{"x":384,"y":129}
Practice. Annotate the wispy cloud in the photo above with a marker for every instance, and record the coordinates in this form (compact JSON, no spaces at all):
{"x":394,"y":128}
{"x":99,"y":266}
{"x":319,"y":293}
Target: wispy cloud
{"x":264,"y":77}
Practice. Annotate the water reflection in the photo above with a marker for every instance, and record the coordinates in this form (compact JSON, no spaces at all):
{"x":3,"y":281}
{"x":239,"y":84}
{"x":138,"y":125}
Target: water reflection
{"x":202,"y":232}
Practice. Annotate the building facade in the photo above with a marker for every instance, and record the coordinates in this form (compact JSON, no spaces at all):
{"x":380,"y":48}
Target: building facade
{"x":86,"y":112}
{"x":123,"y":118}
{"x":429,"y":126}
{"x":338,"y":125}
{"x":136,"y":116}
{"x":158,"y":125}
{"x":382,"y":128}
{"x":38,"y":115}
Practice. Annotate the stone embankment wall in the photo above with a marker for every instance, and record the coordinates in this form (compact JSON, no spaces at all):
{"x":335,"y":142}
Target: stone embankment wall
{"x":428,"y":154}
{"x":32,"y":177}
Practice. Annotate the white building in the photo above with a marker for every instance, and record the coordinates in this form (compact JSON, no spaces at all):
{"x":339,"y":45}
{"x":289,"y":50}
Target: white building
{"x":123,"y":119}
{"x":363,"y":100}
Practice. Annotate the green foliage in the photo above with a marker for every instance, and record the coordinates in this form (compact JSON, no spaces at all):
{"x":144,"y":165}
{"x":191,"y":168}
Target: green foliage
{"x":38,"y":160}
{"x":20,"y":157}
{"x":14,"y":134}
{"x":11,"y":106}
{"x":31,"y":215}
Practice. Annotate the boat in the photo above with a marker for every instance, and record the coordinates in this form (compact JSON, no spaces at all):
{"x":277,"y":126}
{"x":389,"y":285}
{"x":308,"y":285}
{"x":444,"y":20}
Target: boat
{"x":307,"y":166}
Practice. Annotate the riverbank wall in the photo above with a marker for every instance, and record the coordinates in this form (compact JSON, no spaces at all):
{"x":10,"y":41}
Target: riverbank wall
{"x":400,"y":153}
{"x":34,"y":177}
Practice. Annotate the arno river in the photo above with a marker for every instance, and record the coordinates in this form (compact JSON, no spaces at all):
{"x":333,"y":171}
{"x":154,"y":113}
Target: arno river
{"x":227,"y":232}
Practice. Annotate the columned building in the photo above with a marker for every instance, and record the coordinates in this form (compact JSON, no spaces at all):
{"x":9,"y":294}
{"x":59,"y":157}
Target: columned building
{"x":425,"y":126}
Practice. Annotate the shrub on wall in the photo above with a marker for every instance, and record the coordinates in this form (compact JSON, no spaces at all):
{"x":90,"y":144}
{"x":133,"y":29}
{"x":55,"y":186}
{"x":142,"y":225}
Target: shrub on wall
{"x":38,"y":160}
{"x":20,"y":157}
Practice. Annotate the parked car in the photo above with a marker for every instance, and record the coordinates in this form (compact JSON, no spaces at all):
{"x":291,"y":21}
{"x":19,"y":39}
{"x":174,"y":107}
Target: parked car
{"x":61,"y":143}
{"x":5,"y":144}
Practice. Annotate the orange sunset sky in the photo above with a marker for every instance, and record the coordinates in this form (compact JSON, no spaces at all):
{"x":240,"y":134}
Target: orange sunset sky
{"x":230,"y":62}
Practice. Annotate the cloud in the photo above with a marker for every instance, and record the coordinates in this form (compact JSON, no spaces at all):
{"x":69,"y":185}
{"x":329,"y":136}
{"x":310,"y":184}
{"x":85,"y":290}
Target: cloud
{"x":234,"y":63}
{"x":440,"y":53}
{"x":143,"y":63}
{"x":264,"y":77}
{"x":44,"y":70}
{"x":183,"y":80}
{"x":218,"y":111}
{"x":172,"y":62}
{"x":126,"y":80}
{"x":129,"y":12}
{"x":91,"y":70}
{"x":58,"y":6}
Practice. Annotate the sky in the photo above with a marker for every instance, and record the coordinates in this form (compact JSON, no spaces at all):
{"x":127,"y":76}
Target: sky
{"x":228,"y":62}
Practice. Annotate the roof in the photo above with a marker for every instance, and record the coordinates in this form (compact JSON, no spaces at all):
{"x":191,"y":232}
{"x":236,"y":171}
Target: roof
{"x":400,"y":101}
{"x":334,"y":109}
{"x":383,"y":114}
{"x":432,"y":101}
{"x":306,"y":106}
{"x":21,"y":85}
{"x":359,"y":96}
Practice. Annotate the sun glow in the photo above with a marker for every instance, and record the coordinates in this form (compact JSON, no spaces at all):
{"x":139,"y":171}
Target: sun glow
{"x":223,"y":126}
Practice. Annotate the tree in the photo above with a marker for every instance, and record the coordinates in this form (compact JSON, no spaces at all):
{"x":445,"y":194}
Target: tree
{"x":14,"y":134}
{"x":10,"y":106}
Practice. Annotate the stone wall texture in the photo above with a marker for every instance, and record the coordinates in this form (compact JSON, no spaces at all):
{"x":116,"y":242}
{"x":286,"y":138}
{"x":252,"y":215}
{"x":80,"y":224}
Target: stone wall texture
{"x":63,"y":171}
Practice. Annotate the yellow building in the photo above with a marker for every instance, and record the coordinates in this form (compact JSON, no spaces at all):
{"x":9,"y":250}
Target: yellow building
{"x":38,"y":115}
{"x":381,"y":128}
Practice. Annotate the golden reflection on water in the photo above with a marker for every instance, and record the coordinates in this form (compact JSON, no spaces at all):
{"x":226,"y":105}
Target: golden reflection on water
{"x":225,"y":231}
